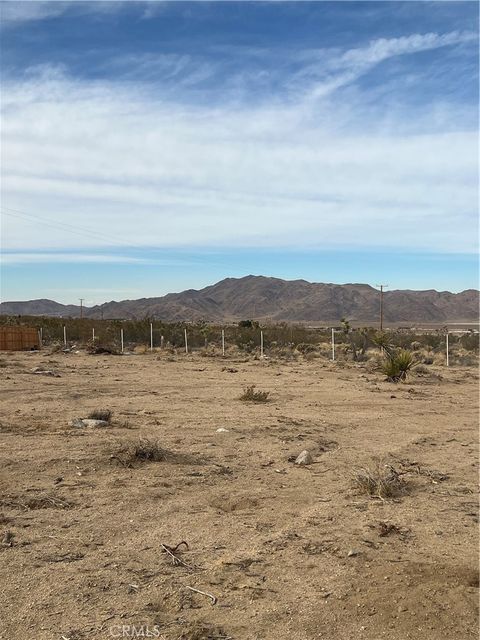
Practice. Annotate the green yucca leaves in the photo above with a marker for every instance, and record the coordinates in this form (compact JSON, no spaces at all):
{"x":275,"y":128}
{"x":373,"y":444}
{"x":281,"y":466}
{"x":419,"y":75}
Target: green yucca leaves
{"x":397,"y":364}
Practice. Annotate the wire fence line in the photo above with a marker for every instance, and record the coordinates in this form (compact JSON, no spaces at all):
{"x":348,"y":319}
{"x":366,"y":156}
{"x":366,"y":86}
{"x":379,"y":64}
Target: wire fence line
{"x":338,"y":342}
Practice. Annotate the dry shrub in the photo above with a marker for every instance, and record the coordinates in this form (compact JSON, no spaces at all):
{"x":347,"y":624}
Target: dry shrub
{"x":379,"y":480}
{"x":141,"y":349}
{"x":305,"y":348}
{"x":101,"y":349}
{"x":421,"y":369}
{"x":37,"y":502}
{"x":142,"y":450}
{"x":202,"y":631}
{"x":101,"y":414}
{"x":250,"y":395}
{"x":465,"y":360}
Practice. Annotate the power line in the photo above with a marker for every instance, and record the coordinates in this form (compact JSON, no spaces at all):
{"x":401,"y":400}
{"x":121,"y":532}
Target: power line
{"x":65,"y":226}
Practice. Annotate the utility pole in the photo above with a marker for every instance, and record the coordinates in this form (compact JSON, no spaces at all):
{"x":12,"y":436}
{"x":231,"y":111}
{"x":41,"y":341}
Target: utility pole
{"x":81,"y":307}
{"x":382,"y":287}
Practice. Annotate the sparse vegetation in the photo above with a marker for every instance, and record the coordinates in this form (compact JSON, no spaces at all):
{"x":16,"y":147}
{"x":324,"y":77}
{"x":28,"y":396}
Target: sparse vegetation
{"x":281,"y":340}
{"x":397,"y":364}
{"x":97,"y":349}
{"x":379,"y":480}
{"x":37,"y":502}
{"x":383,"y":340}
{"x":142,"y":450}
{"x":305,"y":347}
{"x":201,"y":466}
{"x":250,"y":395}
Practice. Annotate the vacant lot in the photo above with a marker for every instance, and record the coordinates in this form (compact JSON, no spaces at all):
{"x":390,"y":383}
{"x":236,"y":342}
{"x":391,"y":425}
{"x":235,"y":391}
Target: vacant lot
{"x":290,"y":552}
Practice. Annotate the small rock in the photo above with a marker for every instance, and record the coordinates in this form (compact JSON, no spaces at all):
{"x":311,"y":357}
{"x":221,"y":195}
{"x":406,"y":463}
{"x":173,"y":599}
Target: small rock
{"x":40,"y":371}
{"x":221,"y":430}
{"x":89,"y":423}
{"x":7,"y":539}
{"x":352,"y":553}
{"x":402,"y":608}
{"x":305,"y":457}
{"x":94,"y":424}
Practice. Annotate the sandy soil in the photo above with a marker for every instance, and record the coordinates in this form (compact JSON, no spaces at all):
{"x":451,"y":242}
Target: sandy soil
{"x":289,"y":552}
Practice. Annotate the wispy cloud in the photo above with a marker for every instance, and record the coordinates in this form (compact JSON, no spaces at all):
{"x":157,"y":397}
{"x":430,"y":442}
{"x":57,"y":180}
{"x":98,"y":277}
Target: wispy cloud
{"x":330,"y":69}
{"x":14,"y":13}
{"x":296,"y":169}
{"x":38,"y":258}
{"x":11,"y":258}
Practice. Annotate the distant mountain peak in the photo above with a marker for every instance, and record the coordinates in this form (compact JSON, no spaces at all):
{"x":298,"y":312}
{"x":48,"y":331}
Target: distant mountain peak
{"x":273,"y":299}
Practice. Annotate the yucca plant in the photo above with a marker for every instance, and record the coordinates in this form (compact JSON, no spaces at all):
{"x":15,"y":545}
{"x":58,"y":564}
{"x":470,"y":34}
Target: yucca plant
{"x":382,"y":340}
{"x":397,"y":364}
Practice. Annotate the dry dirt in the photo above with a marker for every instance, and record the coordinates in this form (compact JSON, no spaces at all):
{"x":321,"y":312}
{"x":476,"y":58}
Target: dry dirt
{"x":289,"y":552}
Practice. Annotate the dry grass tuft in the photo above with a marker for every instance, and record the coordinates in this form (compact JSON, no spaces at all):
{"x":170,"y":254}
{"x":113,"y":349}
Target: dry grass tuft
{"x":37,"y":502}
{"x":139,"y":451}
{"x":380,"y":480}
{"x":101,"y":414}
{"x":97,"y":349}
{"x":250,"y":395}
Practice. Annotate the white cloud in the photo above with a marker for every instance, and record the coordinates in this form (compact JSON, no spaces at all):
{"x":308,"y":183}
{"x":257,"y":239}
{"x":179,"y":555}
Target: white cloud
{"x":37,"y":258}
{"x":75,"y":257}
{"x":143,"y":171}
{"x":334,"y":69}
{"x":13,"y":13}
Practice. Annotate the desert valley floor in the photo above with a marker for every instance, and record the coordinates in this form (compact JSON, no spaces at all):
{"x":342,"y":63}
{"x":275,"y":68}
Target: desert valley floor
{"x":289,"y":552}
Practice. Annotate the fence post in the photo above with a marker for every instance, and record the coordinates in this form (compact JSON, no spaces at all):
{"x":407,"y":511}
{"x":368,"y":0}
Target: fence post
{"x":151,"y":336}
{"x":261,"y":344}
{"x":162,"y":339}
{"x":41,"y":335}
{"x":93,"y":334}
{"x":223,"y":342}
{"x":39,"y":338}
{"x":64,"y":335}
{"x":186,"y":342}
{"x":333,"y":345}
{"x":121,"y":338}
{"x":446,"y":344}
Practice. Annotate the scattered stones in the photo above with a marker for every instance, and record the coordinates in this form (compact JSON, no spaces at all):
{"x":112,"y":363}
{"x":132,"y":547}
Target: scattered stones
{"x":305,"y":457}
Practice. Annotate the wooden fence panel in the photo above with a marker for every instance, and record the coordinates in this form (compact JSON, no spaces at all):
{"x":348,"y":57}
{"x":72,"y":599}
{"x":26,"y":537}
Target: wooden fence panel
{"x":17,"y":338}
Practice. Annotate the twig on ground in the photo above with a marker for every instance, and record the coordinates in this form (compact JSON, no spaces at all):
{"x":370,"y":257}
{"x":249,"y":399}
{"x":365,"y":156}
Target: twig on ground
{"x":171,"y":551}
{"x":204,"y":593}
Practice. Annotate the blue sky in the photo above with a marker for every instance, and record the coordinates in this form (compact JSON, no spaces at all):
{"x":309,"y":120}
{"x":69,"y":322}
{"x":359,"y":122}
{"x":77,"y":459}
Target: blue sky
{"x":150,"y":147}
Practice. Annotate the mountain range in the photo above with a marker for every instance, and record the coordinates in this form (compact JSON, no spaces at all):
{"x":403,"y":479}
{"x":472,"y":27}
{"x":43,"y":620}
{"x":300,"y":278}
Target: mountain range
{"x":273,"y":299}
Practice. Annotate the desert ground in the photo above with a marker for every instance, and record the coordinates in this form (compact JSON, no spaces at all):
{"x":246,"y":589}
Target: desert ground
{"x":287,"y":551}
